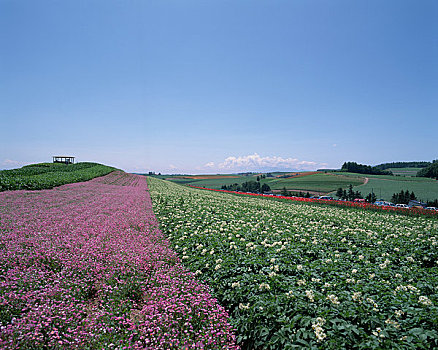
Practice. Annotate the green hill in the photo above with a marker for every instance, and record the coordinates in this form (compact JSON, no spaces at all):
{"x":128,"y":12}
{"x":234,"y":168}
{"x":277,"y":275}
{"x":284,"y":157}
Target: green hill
{"x":321,"y":182}
{"x":48,"y":175}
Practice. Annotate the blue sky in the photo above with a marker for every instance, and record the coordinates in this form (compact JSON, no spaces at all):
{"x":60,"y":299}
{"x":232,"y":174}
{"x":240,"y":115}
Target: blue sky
{"x":218,"y":86}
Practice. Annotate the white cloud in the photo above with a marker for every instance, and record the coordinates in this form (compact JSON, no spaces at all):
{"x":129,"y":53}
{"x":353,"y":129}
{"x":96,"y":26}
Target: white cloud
{"x":209,"y":165}
{"x":255,"y":162}
{"x":9,"y":163}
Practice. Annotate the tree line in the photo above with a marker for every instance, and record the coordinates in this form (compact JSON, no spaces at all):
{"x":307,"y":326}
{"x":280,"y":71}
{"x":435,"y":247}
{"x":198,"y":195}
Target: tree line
{"x":431,"y":171}
{"x":351,"y":195}
{"x":248,"y":186}
{"x":403,"y":197}
{"x":284,"y":192}
{"x":385,"y":166}
{"x":354,"y":167}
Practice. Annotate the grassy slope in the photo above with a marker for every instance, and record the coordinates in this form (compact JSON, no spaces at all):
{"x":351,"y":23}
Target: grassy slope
{"x":425,"y":189}
{"x":49,"y":175}
{"x":317,"y":182}
{"x":211,"y":183}
{"x":405,"y":171}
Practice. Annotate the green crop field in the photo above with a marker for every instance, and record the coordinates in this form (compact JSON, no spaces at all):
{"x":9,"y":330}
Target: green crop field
{"x":404,"y":171}
{"x":324,"y":182}
{"x":218,"y":182}
{"x":424,"y":188}
{"x":48,"y":175}
{"x":321,"y":182}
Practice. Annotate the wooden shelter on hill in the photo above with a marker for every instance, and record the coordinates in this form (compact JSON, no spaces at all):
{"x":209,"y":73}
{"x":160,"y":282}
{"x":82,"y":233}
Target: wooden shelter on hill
{"x":64,"y":159}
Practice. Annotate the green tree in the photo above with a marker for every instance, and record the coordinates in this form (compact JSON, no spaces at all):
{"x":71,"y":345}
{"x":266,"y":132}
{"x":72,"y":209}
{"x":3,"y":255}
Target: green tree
{"x":357,"y":194}
{"x":433,"y":203}
{"x":431,"y":171}
{"x":284,"y":192}
{"x":371,"y":198}
{"x":403,"y":197}
{"x":350,"y":194}
{"x":265,"y":188}
{"x":251,"y":186}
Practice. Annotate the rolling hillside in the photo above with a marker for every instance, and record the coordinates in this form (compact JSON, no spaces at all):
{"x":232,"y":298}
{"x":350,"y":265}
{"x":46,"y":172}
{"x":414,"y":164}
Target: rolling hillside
{"x":384,"y":186}
{"x":48,"y":175}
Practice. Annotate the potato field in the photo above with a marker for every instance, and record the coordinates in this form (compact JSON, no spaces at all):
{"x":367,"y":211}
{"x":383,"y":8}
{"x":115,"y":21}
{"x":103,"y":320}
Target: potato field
{"x":296,"y":276}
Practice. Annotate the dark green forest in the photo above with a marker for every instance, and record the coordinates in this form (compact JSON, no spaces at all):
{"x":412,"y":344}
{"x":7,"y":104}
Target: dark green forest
{"x":431,"y":171}
{"x":385,"y":166}
{"x":354,"y":167}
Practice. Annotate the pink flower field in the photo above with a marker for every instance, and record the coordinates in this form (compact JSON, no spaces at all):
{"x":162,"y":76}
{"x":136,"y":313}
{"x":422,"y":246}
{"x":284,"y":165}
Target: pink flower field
{"x":85,"y":266}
